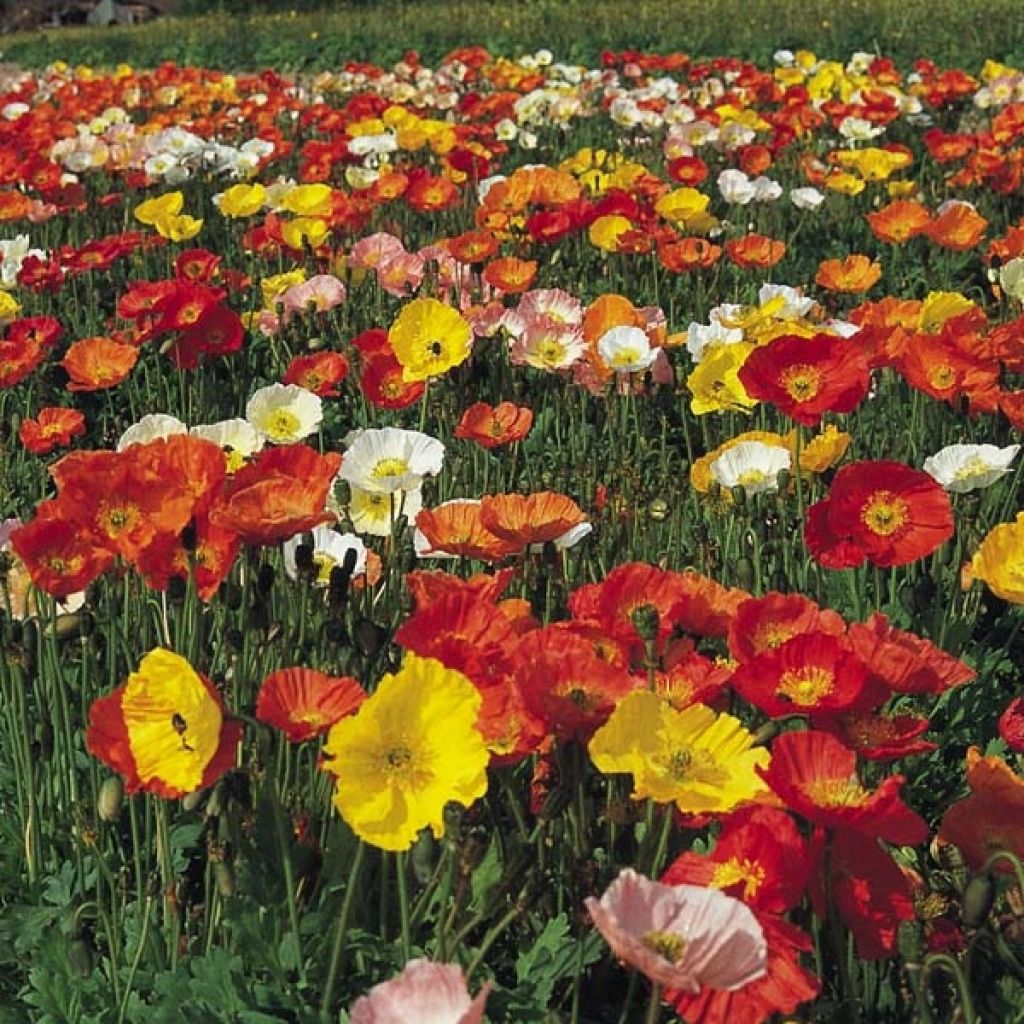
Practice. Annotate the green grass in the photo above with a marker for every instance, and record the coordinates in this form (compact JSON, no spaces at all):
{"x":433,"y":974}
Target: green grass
{"x":951,"y":32}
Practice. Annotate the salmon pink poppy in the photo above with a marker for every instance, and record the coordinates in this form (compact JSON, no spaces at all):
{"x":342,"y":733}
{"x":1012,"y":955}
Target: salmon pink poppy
{"x":425,"y":991}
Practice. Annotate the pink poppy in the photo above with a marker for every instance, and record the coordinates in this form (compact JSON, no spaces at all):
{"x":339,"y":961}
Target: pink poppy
{"x":401,"y":273}
{"x":681,"y":936}
{"x":369,"y":252}
{"x":425,"y":992}
{"x":323,"y":292}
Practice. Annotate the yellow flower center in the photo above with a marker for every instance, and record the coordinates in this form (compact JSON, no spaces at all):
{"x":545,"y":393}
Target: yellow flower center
{"x":837,"y":792}
{"x":666,"y":944}
{"x":115,"y":519}
{"x":972,"y":469}
{"x":687,"y":764}
{"x":397,"y":761}
{"x":281,"y":425}
{"x":389,"y":467}
{"x":323,"y":564}
{"x":807,"y":685}
{"x":235,"y":459}
{"x":551,"y":352}
{"x":942,"y":377}
{"x":736,"y":870}
{"x":801,"y":382}
{"x":64,"y":566}
{"x":884,"y":513}
{"x":752,"y":478}
{"x":771,"y":635}
{"x":625,"y":357}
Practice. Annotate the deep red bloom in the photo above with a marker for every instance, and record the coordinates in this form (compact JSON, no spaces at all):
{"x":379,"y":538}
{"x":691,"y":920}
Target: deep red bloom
{"x":763,"y":623}
{"x":806,"y":377}
{"x":879,"y":737}
{"x":882,"y":512}
{"x":1011,"y":725}
{"x":817,"y":777}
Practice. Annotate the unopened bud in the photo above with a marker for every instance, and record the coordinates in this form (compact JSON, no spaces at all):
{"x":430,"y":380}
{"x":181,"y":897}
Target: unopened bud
{"x":111,"y":795}
{"x":979,"y":896}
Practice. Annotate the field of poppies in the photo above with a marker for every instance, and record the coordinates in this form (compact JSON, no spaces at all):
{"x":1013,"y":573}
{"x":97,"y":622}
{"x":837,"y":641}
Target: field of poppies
{"x":512,"y":540}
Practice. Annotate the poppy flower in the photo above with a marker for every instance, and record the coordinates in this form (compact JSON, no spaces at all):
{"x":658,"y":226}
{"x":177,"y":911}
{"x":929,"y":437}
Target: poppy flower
{"x":755,"y":252}
{"x":525,"y":520}
{"x":680,"y":936}
{"x":52,"y":428}
{"x":854,"y":273}
{"x":428,"y":586}
{"x":473,"y":246}
{"x":905,"y":662}
{"x":999,"y":561}
{"x":410,"y":749}
{"x":491,"y":426}
{"x":762,"y":624}
{"x":281,"y":492}
{"x":94,"y":364}
{"x":304,"y":703}
{"x":808,"y":674}
{"x":383,"y":384}
{"x":816,"y":776}
{"x":284,"y":413}
{"x":806,"y":377}
{"x":958,"y":227}
{"x":876,"y":736}
{"x":454,"y":529}
{"x":882,"y":512}
{"x":899,"y":221}
{"x":510,"y":275}
{"x":693,"y":758}
{"x":715,"y":384}
{"x":319,"y":373}
{"x":389,"y":459}
{"x":164,"y":730}
{"x":1011,"y":725}
{"x":691,"y":679}
{"x":424,"y":991}
{"x":690,"y":253}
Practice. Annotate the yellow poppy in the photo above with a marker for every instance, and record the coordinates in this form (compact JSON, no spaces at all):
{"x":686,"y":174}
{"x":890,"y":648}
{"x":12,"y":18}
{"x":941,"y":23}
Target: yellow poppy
{"x":429,"y":338}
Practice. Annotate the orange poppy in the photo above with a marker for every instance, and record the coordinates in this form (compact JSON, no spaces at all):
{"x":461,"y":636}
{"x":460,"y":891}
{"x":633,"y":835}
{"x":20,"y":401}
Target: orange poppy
{"x":755,"y":251}
{"x":524,"y":520}
{"x":510,"y":275}
{"x":456,"y":528}
{"x":53,"y":428}
{"x":492,"y":426}
{"x":899,"y":221}
{"x":14,"y":205}
{"x":959,"y":228}
{"x":473,"y":246}
{"x":855,"y":273}
{"x":304,"y":703}
{"x":94,"y":364}
{"x":430,"y":585}
{"x":319,"y":372}
{"x":683,"y":254}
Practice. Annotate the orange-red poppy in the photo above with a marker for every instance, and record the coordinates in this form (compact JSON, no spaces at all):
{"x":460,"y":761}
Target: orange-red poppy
{"x":456,"y":528}
{"x":755,"y":252}
{"x":94,"y":364}
{"x":691,"y":253}
{"x":959,"y":228}
{"x":52,"y":428}
{"x":763,"y":623}
{"x":473,"y":246}
{"x":491,"y":426}
{"x":304,"y":703}
{"x":510,"y":275}
{"x":854,"y":273}
{"x":319,"y":372}
{"x":899,"y":221}
{"x":524,"y":520}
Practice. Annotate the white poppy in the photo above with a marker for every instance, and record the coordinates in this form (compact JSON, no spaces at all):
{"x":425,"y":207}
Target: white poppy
{"x":375,"y":512}
{"x":237,"y":438}
{"x":626,"y":349}
{"x":752,"y":465}
{"x":329,"y":550}
{"x":736,"y":187}
{"x":284,"y":413}
{"x":968,"y":467}
{"x":390,"y":459}
{"x":152,"y":427}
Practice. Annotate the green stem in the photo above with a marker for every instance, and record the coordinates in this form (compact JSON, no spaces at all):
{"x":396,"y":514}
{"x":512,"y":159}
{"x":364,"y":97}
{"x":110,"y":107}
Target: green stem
{"x":653,"y":1006}
{"x":403,"y":905}
{"x":339,"y":934}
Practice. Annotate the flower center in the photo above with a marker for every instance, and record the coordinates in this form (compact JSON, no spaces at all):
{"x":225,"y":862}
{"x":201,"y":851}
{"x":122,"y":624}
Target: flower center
{"x":281,"y":425}
{"x":323,"y":564}
{"x":771,"y":635}
{"x":738,"y":870}
{"x":751,"y":478}
{"x":390,"y":467}
{"x":972,"y":469}
{"x":666,"y":944}
{"x":115,"y":519}
{"x":626,"y":357}
{"x":802,"y":382}
{"x":806,"y":685}
{"x":837,"y":792}
{"x":397,"y":761}
{"x":884,"y":513}
{"x":942,"y":376}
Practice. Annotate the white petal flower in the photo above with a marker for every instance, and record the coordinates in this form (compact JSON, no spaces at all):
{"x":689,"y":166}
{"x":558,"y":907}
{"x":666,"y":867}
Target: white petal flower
{"x":390,"y":459}
{"x":152,"y":427}
{"x":968,"y":467}
{"x":752,"y":465}
{"x":736,"y":187}
{"x":806,"y":198}
{"x":330,"y":549}
{"x":375,"y":512}
{"x":237,"y":438}
{"x":626,"y":349}
{"x":284,"y":413}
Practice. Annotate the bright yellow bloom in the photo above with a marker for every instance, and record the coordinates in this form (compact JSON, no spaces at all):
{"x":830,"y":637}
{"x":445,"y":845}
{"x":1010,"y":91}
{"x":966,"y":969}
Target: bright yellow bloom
{"x":178,"y":228}
{"x":1000,"y":561}
{"x":848,"y":184}
{"x":429,"y":338}
{"x":682,"y":205}
{"x":606,"y":231}
{"x":822,"y":451}
{"x":940,"y":307}
{"x":9,"y":307}
{"x":167,"y":205}
{"x":172,"y":719}
{"x":303,"y":230}
{"x":715,"y":384}
{"x":412,"y":748}
{"x":242,"y":200}
{"x":308,"y":200}
{"x":277,"y":284}
{"x":700,"y":761}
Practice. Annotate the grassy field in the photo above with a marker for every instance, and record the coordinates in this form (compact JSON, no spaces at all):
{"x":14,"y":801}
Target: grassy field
{"x":946,"y":31}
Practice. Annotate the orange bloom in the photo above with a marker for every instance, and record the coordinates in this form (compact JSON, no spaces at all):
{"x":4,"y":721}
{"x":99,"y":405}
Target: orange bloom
{"x":510,"y":275}
{"x":525,"y":520}
{"x":899,"y":221}
{"x":473,"y":246}
{"x":762,"y":624}
{"x":14,"y":205}
{"x":491,"y":426}
{"x":430,"y":585}
{"x":685,"y":254}
{"x":97,"y":363}
{"x":319,"y":372}
{"x":304,"y":703}
{"x":755,"y":251}
{"x":456,"y":528}
{"x":855,"y":273}
{"x":991,"y":818}
{"x":960,"y":228}
{"x":53,"y":428}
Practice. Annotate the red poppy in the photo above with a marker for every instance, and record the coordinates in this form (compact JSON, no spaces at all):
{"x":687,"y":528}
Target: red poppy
{"x":42,"y":330}
{"x":383,"y":384}
{"x":867,"y":888}
{"x":319,"y":372}
{"x":304,"y":703}
{"x":94,"y":364}
{"x":806,"y":377}
{"x":759,"y":857}
{"x":882,"y":512}
{"x":428,"y":586}
{"x":763,"y":623}
{"x":811,"y":673}
{"x":566,"y":685}
{"x":54,"y":427}
{"x":491,"y":426}
{"x":18,"y":359}
{"x":197,"y":265}
{"x":208,"y":560}
{"x":281,"y":492}
{"x":879,"y":737}
{"x":60,"y":557}
{"x":1011,"y":725}
{"x":905,"y":662}
{"x":816,"y":776}
{"x":691,"y":679}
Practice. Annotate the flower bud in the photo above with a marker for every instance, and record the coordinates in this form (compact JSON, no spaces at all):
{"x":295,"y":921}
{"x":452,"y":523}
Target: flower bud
{"x":744,"y":570}
{"x":646,"y":622}
{"x":658,"y":510}
{"x":81,"y":955}
{"x":979,"y":896}
{"x":739,"y":495}
{"x":111,"y":796}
